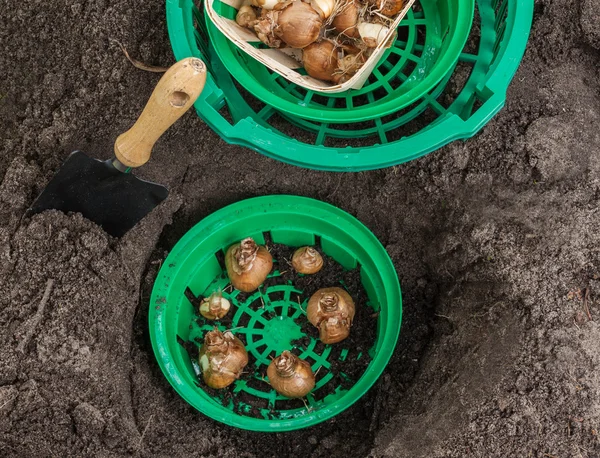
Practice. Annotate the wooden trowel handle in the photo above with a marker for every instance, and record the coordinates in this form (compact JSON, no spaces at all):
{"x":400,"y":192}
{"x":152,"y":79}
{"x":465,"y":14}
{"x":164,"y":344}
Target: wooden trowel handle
{"x":174,"y":94}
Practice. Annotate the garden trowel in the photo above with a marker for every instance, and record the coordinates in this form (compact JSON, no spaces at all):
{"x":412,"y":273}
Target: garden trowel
{"x":105,"y":191}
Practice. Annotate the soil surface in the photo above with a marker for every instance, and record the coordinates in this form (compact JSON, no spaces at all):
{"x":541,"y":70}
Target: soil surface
{"x":495,"y":241}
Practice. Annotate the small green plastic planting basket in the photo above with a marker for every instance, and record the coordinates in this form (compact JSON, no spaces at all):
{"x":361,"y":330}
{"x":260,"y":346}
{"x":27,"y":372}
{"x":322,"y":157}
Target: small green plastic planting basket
{"x":430,"y":40}
{"x":267,"y":320}
{"x":466,"y":97}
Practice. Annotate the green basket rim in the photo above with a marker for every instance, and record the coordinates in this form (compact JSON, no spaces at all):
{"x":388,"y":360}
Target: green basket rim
{"x":226,"y":51}
{"x":246,"y":129}
{"x":221,"y":220}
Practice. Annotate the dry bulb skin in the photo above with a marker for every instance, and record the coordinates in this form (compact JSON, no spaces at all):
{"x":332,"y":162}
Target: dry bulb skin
{"x":291,"y":376}
{"x":372,"y":33}
{"x":307,"y":260}
{"x":246,"y":16}
{"x":388,"y":8}
{"x":215,"y":306}
{"x":248,"y":265}
{"x":265,"y":4}
{"x":265,"y":28}
{"x":337,"y":36}
{"x":345,"y":19}
{"x":222,"y":358}
{"x":331,"y":310}
{"x":348,"y":66}
{"x":297,"y":24}
{"x":323,"y":7}
{"x":320,"y":60}
{"x":334,"y":329}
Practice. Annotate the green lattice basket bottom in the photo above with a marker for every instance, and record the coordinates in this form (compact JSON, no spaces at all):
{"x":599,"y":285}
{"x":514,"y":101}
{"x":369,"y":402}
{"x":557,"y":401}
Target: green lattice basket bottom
{"x":271,"y":319}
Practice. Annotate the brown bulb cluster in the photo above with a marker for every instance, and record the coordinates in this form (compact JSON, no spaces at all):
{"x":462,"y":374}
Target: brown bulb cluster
{"x":335,"y":37}
{"x":223,"y":356}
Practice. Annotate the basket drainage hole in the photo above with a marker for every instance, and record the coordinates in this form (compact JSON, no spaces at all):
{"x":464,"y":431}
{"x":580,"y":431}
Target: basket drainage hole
{"x":317,"y":241}
{"x":220,"y":255}
{"x":276,"y":296}
{"x":268,"y":238}
{"x":290,"y":404}
{"x":190,"y":296}
{"x":310,"y":360}
{"x":180,"y":341}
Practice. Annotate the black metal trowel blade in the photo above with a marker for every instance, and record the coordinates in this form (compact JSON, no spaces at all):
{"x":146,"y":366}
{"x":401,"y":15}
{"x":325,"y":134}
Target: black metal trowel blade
{"x":112,"y":199}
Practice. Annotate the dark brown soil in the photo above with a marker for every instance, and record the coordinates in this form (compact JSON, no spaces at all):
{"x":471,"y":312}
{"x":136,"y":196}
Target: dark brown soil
{"x":495,"y":241}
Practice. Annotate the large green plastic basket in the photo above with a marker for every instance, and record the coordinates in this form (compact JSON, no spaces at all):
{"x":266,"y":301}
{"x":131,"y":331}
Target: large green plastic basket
{"x":430,"y":39}
{"x":267,"y":321}
{"x":457,"y":107}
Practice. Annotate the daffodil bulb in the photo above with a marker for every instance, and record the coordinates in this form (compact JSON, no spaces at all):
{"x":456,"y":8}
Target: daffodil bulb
{"x":372,"y":34}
